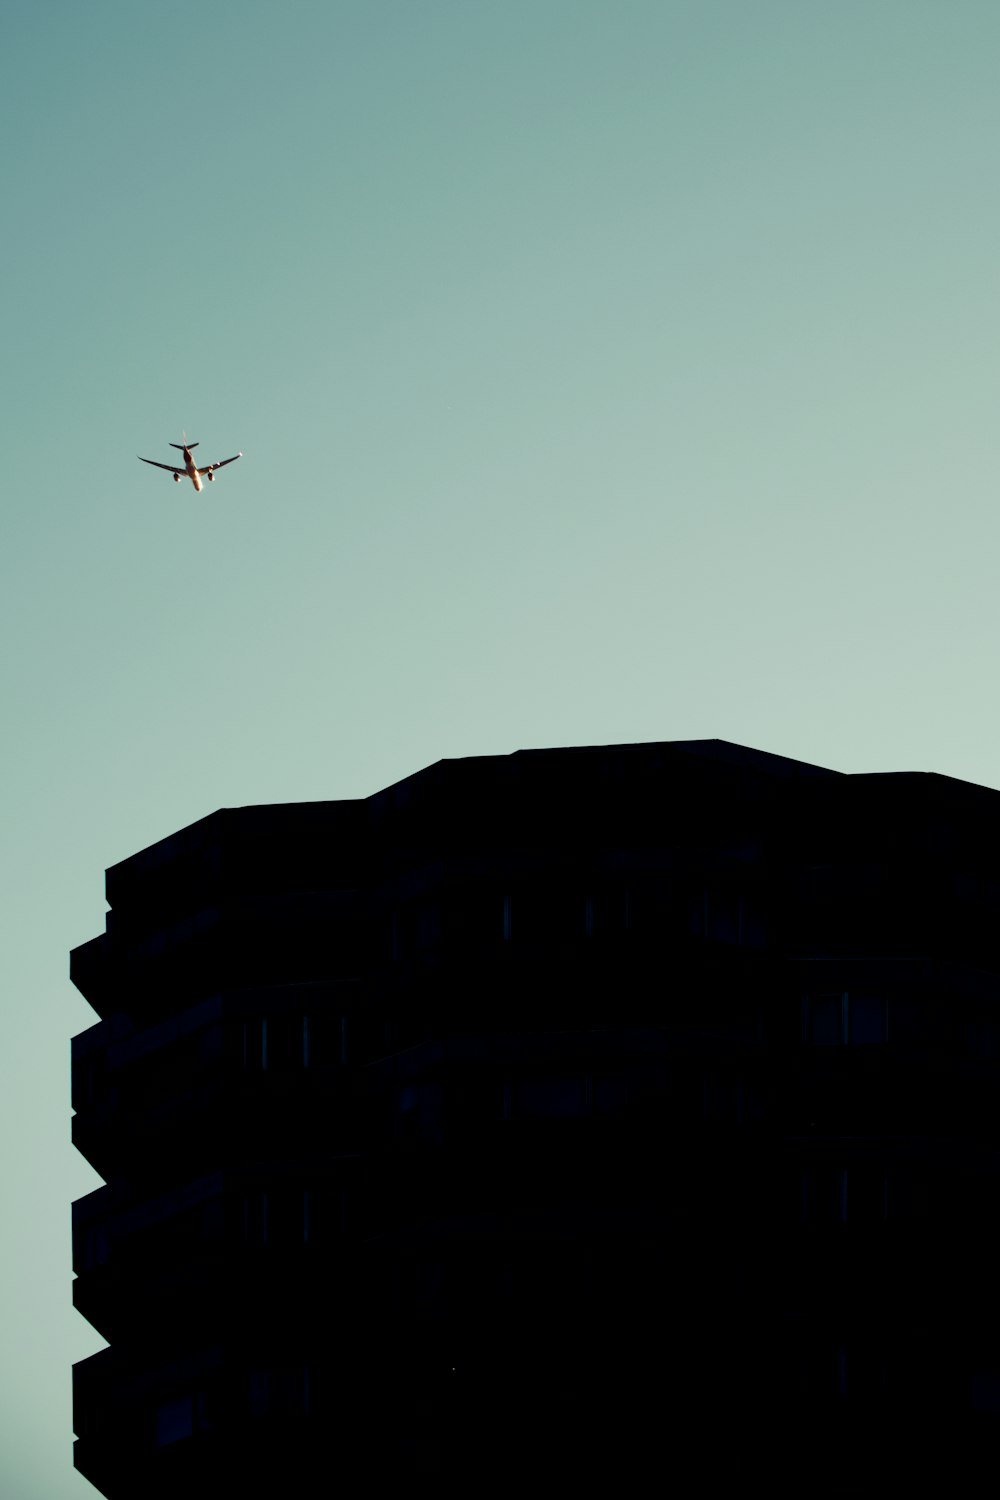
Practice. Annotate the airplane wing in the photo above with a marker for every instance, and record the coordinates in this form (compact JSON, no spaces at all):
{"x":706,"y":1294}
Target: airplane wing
{"x":221,"y":465}
{"x":169,"y":467}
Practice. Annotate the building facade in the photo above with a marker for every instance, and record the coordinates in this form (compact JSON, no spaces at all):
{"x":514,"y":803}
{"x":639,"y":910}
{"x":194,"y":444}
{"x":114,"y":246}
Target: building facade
{"x":541,"y":1118}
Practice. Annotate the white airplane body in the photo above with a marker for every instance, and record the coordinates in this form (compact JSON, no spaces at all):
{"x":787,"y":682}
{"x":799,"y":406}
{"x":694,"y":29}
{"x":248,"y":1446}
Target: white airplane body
{"x":190,"y":470}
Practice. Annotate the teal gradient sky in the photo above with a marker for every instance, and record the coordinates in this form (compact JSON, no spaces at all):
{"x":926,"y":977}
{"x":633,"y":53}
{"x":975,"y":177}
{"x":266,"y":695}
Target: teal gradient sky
{"x":604,"y":371}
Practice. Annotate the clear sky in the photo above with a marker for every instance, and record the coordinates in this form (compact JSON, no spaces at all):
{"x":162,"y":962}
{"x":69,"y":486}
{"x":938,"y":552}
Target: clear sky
{"x":605,"y":370}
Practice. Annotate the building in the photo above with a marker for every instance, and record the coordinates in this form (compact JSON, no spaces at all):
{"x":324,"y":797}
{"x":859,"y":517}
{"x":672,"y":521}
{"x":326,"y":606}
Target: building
{"x":541,"y":1116}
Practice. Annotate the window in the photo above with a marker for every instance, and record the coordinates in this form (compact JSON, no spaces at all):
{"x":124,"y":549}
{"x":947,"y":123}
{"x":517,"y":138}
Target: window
{"x":324,"y":1213}
{"x":913,"y":1022}
{"x":284,"y":1216}
{"x":823,"y":1368}
{"x":174,"y":1421}
{"x":550,"y":1098}
{"x":255,"y":1044}
{"x":984,"y":1038}
{"x":324,"y":1039}
{"x":839,"y":1018}
{"x":752,"y":929}
{"x":717,"y":912}
{"x":282,"y":1043}
{"x":866,"y":1194}
{"x":909,"y":1192}
{"x":612,"y":1095}
{"x":722,"y":1100}
{"x":96,"y":1246}
{"x":255,"y":1217}
{"x":868,"y":1018}
{"x":825,"y":1195}
{"x":259,"y":1393}
{"x":723,"y":915}
{"x":548,"y":912}
{"x":213,"y":1221}
{"x":606,"y":913}
{"x":419,"y":1110}
{"x":472,"y":1101}
{"x":984,"y":1392}
{"x":288,"y":1390}
{"x":824,"y":1020}
{"x":729,"y":1015}
{"x":210,"y":1048}
{"x":429,"y":925}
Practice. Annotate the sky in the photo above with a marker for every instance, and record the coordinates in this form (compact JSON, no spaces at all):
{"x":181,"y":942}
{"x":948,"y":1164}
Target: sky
{"x":605,"y":371}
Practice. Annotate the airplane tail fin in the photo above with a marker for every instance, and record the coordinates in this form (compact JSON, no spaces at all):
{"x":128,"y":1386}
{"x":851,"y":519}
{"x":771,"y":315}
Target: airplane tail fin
{"x":182,"y":446}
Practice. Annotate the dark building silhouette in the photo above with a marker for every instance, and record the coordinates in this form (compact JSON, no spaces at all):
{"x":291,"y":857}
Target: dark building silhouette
{"x":542,"y":1120}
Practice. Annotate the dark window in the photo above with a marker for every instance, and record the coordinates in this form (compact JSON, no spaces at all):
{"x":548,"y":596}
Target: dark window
{"x":96,"y":1247}
{"x":723,"y":1100}
{"x":865,"y":1194}
{"x":428,"y":924}
{"x":984,"y":1038}
{"x":292,"y":1389}
{"x":213,"y":1218}
{"x":210,"y":1048}
{"x":825,"y":1019}
{"x":367,"y":1037}
{"x":473,"y":1102}
{"x":255,"y":1044}
{"x":868,"y":1018}
{"x":910,"y":1019}
{"x":984,"y":1392}
{"x":174,"y":1421}
{"x":547,"y":913}
{"x":323,"y":1038}
{"x":418,"y":1110}
{"x":606,"y":913}
{"x":416,"y":926}
{"x":753,"y":931}
{"x":284,"y":1043}
{"x":906,"y":1195}
{"x":612,"y":1095}
{"x":255,"y":1216}
{"x":825,"y":1195}
{"x":324,"y":1210}
{"x":729,"y":1015}
{"x":284,"y":1216}
{"x":659,"y":909}
{"x":723,"y":915}
{"x":822,"y":1369}
{"x":549,"y":1098}
{"x":259,"y":1393}
{"x":833,"y":1019}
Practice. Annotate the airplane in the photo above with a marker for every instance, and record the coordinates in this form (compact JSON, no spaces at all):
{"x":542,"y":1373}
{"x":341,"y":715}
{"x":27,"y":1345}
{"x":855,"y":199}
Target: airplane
{"x":190,"y":467}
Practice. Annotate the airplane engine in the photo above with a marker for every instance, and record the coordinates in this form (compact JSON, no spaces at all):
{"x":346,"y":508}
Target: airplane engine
{"x":211,"y":475}
{"x":177,"y":479}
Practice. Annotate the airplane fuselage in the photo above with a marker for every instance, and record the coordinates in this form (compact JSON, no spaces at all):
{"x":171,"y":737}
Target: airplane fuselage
{"x":192,"y":470}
